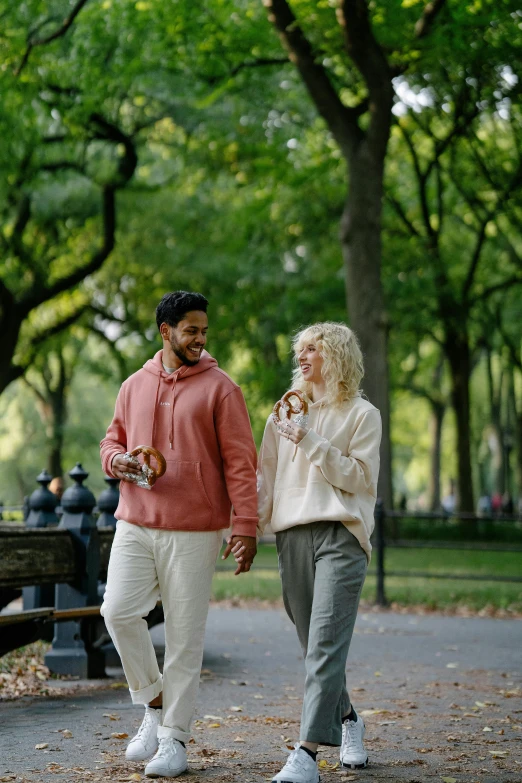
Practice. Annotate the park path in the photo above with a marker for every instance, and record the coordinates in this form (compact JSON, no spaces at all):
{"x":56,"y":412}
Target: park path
{"x":441,"y":696}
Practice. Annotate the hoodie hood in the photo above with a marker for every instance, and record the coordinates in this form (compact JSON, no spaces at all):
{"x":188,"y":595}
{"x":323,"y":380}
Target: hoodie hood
{"x":155,"y":366}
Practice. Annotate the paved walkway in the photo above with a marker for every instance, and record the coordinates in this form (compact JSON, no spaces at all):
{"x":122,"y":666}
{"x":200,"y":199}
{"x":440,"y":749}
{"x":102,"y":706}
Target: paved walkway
{"x":441,"y":696}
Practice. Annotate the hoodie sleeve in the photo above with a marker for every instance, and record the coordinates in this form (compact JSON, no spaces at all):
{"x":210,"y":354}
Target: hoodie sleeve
{"x":266,"y":474}
{"x":238,"y":452}
{"x":356,"y":472}
{"x":115,"y":441}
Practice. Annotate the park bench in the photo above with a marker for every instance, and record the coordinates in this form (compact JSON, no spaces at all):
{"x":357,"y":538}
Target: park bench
{"x":61,"y":565}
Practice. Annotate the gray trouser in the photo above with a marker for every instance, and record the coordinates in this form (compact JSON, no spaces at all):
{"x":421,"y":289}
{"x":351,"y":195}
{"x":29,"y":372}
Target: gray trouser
{"x":322,"y":568}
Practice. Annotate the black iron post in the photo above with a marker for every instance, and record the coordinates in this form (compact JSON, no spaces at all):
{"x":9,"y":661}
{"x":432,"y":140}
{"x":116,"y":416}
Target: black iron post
{"x":42,"y":513}
{"x":379,"y":531}
{"x":108,"y":503}
{"x":72,"y":652}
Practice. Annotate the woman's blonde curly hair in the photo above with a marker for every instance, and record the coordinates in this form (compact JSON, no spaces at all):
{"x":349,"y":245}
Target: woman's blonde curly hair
{"x":343,"y":367}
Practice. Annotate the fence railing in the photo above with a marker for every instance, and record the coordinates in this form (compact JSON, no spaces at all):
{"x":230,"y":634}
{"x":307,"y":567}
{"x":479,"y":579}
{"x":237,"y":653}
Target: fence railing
{"x":59,"y":558}
{"x":466,"y":531}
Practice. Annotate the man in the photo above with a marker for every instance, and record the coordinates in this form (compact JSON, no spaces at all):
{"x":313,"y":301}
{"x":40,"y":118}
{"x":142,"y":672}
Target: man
{"x":57,"y":487}
{"x":167,"y":539}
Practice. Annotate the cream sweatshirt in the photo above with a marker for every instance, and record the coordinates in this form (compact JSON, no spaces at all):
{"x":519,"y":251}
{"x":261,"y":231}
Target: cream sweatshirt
{"x":333,"y":476}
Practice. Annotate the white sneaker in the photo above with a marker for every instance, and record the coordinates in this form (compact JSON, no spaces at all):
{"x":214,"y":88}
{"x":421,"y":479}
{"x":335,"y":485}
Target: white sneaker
{"x":353,"y":754}
{"x":170,"y":760}
{"x":145,"y":743}
{"x":300,"y":768}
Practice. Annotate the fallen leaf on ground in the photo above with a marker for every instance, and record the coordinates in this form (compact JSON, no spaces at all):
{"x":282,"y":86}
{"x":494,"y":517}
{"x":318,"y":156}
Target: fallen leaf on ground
{"x":377,"y":674}
{"x":236,"y":709}
{"x":119,"y":685}
{"x":487,"y":728}
{"x":119,"y":735}
{"x":498,"y":752}
{"x":41,"y":746}
{"x":111,"y":715}
{"x":258,"y":696}
{"x":239,"y":739}
{"x":365,"y":713}
{"x":449,"y":780}
{"x":324,"y":764}
{"x":452,"y":666}
{"x":212,"y":717}
{"x":134,"y":776}
{"x":66,"y":733}
{"x":214,"y":725}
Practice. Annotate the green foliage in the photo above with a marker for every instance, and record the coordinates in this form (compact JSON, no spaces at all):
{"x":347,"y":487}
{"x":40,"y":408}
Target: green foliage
{"x":238,"y":190}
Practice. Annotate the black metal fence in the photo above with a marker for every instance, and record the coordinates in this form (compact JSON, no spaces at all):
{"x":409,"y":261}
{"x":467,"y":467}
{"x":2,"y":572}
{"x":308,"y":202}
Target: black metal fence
{"x":89,"y":524}
{"x":463,"y":531}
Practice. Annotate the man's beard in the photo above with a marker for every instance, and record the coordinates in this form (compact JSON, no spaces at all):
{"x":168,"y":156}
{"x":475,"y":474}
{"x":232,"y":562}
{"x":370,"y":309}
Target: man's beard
{"x":181,"y":356}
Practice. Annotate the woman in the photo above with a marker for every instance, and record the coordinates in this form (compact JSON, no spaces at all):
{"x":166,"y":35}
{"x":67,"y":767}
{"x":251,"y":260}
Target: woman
{"x":317,"y":487}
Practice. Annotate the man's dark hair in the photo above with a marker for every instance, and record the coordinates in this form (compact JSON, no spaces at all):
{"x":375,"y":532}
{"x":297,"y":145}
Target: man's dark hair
{"x":174,"y":307}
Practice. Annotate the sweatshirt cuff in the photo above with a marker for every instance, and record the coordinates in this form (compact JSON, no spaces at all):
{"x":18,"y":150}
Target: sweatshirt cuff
{"x":245,"y":526}
{"x":312,"y":442}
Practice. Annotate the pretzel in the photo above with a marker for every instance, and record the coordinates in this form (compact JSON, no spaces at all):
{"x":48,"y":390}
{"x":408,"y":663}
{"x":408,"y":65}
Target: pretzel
{"x":285,"y":404}
{"x":149,"y":474}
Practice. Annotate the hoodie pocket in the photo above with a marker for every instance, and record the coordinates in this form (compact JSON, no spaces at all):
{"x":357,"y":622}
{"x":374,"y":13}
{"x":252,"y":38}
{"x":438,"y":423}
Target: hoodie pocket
{"x":189,"y":496}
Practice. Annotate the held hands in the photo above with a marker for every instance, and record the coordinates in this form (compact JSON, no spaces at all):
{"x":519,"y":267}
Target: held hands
{"x":291,"y":431}
{"x":121,"y":465}
{"x":244,"y":549}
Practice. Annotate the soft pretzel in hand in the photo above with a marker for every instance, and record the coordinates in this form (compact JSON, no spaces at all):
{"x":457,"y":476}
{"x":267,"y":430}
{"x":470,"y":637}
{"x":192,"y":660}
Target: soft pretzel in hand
{"x":288,"y":407}
{"x":150,"y":474}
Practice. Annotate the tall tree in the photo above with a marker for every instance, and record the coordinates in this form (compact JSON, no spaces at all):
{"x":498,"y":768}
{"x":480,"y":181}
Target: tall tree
{"x":62,"y":164}
{"x":357,"y":110}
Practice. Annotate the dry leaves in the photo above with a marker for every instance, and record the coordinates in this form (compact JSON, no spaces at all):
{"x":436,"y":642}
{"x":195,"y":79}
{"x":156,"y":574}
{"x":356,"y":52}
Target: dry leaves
{"x":41,"y":746}
{"x":326,"y":766}
{"x":119,"y":735}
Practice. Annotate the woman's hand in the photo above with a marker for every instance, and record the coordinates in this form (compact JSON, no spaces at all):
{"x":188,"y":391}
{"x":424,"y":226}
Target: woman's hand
{"x":291,"y":431}
{"x":244,"y":549}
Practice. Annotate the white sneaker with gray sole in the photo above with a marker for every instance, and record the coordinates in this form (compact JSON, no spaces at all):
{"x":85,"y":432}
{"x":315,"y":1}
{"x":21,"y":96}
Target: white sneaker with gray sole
{"x":353,"y":754}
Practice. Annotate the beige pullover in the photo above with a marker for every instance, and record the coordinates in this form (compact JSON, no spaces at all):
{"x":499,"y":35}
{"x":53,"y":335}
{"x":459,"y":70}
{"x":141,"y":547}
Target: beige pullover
{"x":333,"y":475}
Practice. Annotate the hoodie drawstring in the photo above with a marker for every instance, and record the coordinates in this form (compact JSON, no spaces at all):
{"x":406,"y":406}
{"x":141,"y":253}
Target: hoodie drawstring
{"x":154,"y":411}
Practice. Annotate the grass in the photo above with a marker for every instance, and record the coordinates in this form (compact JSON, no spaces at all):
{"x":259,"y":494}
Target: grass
{"x":263,"y":581}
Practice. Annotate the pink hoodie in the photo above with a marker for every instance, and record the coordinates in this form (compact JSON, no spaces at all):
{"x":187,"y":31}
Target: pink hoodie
{"x":197,"y":418}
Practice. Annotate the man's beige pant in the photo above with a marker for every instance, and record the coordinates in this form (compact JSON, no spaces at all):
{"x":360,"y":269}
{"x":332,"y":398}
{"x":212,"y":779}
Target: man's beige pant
{"x":178,"y":565}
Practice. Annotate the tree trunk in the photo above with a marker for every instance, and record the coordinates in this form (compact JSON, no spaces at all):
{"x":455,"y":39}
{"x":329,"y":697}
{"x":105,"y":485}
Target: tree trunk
{"x":437,"y":417}
{"x":457,"y":350}
{"x":10,"y":324}
{"x":361,"y":249}
{"x":495,"y":396}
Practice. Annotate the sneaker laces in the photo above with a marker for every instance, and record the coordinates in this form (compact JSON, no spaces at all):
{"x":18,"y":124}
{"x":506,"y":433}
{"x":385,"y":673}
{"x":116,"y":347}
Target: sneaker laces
{"x":350,"y":729}
{"x":296,"y":759}
{"x":166,"y":747}
{"x":145,"y":724}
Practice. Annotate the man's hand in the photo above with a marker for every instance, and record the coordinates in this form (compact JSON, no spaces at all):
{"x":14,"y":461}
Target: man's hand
{"x":121,"y":465}
{"x":244,"y":549}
